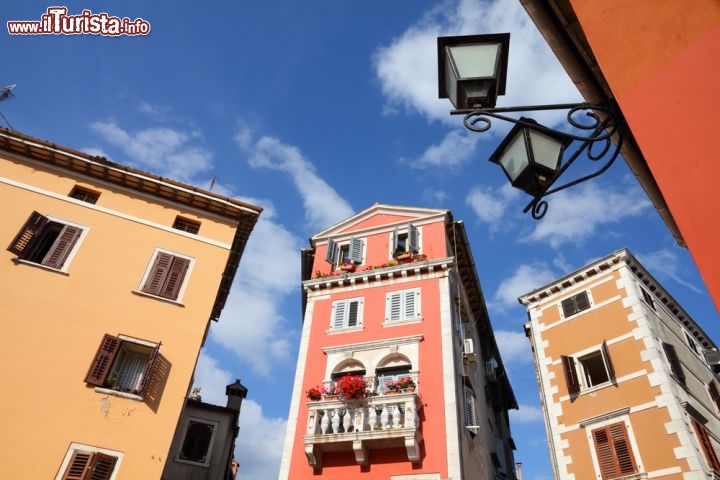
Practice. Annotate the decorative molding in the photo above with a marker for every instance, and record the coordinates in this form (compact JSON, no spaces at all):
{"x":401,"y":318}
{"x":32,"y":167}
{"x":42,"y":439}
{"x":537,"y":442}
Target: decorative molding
{"x":374,"y":345}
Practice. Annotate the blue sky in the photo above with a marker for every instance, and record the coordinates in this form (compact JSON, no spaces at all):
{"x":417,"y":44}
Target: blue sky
{"x":315,"y":111}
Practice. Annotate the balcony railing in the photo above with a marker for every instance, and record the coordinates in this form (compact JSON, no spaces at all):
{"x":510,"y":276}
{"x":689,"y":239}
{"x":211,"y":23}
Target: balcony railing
{"x":387,"y":421}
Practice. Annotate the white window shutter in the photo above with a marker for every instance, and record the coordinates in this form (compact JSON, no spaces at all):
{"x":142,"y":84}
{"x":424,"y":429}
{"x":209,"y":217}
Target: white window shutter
{"x":353,"y":310}
{"x":394,"y":241}
{"x":394,"y":307}
{"x":356,"y":249}
{"x":331,"y":254}
{"x":469,"y":407}
{"x":339,"y":314}
{"x":413,"y":239}
{"x":410,"y":304}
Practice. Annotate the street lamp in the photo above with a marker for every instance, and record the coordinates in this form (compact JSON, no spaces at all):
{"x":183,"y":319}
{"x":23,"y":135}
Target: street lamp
{"x":472,"y":71}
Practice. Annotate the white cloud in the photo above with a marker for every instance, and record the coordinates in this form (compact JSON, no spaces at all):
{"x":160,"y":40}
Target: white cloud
{"x":490,"y":204}
{"x":435,"y":196}
{"x":455,"y":149}
{"x":160,"y":150}
{"x":323,"y":205}
{"x":259,"y":443}
{"x":525,"y":279}
{"x":526,"y":414}
{"x":666,"y":263}
{"x":514,"y":346}
{"x":576,"y":214}
{"x":407,"y":67}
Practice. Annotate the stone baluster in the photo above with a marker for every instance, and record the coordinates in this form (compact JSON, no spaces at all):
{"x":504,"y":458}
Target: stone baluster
{"x":347,"y":421}
{"x":325,"y":422}
{"x":396,"y":416}
{"x":372,"y":417}
{"x":384,"y":417}
{"x":336,"y":421}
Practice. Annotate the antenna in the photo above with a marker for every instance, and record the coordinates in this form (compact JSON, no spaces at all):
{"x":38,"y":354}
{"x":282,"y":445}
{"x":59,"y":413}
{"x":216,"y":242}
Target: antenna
{"x":5,"y":93}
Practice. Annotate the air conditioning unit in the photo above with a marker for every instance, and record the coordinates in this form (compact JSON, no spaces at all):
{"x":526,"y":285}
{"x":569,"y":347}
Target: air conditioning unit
{"x":491,"y":367}
{"x":712,"y":357}
{"x":469,"y":350}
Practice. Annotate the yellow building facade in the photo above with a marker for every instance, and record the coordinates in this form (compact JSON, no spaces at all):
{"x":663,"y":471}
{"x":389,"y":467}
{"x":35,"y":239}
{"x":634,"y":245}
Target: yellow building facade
{"x":109,"y":281}
{"x":628,"y":381}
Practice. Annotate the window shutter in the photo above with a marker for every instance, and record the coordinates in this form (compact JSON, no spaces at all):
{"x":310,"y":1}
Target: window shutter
{"x":60,"y":250}
{"x":410,"y":310}
{"x":356,"y":250}
{"x":175,"y":277}
{"x":102,"y":466}
{"x":568,"y":307}
{"x":28,"y":233}
{"x":158,"y":273}
{"x":104,"y":357}
{"x":706,"y":445}
{"x":394,"y":241}
{"x":148,"y":371}
{"x":331,"y":254}
{"x":339,"y":314}
{"x":469,"y":406}
{"x":613,"y":451}
{"x":608,"y":361}
{"x":353,"y":308}
{"x":674,"y":361}
{"x":394,"y":301}
{"x":571,"y":378}
{"x":413,"y":239}
{"x":714,"y":394}
{"x":79,"y":463}
{"x":582,"y":301}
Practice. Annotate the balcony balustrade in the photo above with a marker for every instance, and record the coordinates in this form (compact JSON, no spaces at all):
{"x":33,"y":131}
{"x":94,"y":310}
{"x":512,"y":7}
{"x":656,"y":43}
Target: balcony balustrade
{"x":387,"y":421}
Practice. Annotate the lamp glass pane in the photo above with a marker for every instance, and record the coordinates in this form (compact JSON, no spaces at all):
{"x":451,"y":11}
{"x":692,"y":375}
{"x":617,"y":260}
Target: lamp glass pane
{"x":546,"y":149}
{"x":515,"y":158}
{"x":476,"y":60}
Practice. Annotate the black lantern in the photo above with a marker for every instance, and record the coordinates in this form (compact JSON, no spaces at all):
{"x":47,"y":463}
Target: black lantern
{"x":530,"y":155}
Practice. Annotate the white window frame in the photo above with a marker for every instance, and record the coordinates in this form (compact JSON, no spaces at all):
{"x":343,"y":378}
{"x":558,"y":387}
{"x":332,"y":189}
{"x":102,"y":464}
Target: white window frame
{"x":346,"y":315}
{"x":148,"y":269}
{"x":87,"y":448}
{"x":416,"y":315}
{"x":338,"y":247}
{"x":125,"y":339}
{"x":590,"y":427}
{"x":401,"y":231}
{"x":582,"y":373}
{"x":211,"y":445}
{"x":693,"y":345}
{"x":84,"y":229}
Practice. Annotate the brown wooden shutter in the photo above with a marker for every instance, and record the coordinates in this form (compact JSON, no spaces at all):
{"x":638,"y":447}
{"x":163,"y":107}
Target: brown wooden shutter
{"x":573,"y":383}
{"x":714,"y":394}
{"x":148,"y":371}
{"x":60,"y":250}
{"x":158,"y":274}
{"x":674,"y":361}
{"x":706,"y":444}
{"x":174,"y":279}
{"x":101,"y":467}
{"x":608,"y":361}
{"x":22,"y":242}
{"x":79,"y":463}
{"x":613,"y":451}
{"x":101,"y":364}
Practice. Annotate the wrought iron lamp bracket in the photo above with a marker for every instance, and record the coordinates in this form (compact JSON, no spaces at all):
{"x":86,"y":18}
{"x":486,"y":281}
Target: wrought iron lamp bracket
{"x":600,"y":123}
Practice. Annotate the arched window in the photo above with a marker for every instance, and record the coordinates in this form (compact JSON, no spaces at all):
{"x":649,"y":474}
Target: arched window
{"x":391,"y":369}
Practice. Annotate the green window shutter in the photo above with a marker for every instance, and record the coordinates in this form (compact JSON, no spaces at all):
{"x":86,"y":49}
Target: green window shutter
{"x":413,"y":239}
{"x":104,"y":357}
{"x":62,"y":247}
{"x":332,"y":251}
{"x":356,"y":250}
{"x":22,"y":243}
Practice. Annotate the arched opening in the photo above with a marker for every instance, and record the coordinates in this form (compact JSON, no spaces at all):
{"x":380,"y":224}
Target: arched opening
{"x":390,"y":370}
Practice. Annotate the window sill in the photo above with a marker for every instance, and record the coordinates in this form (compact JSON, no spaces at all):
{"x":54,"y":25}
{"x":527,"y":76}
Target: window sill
{"x":595,"y":388}
{"x":162,"y":299}
{"x":40,"y":266}
{"x":192,"y":462}
{"x":110,"y":391}
{"x":359,"y":328}
{"x":396,"y":323}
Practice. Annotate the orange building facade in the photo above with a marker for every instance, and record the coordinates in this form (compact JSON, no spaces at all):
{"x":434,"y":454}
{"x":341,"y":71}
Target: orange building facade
{"x":392,"y":301}
{"x":628,"y":381}
{"x":659,"y":63}
{"x":109,"y":281}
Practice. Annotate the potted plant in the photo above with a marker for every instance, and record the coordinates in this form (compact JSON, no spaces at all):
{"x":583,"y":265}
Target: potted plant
{"x":347,"y":265}
{"x":330,"y":393}
{"x":406,"y":384}
{"x":352,"y":387}
{"x":314,"y":394}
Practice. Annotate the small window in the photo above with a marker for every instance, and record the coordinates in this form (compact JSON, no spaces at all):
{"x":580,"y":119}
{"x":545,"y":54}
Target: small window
{"x":614,"y":452}
{"x":588,"y":370}
{"x":346,"y":314}
{"x":648,"y":299}
{"x":405,"y":242}
{"x":575,"y":304}
{"x":89,"y":465}
{"x":45,"y":242}
{"x":389,"y":375}
{"x":674,"y":361}
{"x":186,"y":225}
{"x":469,"y":406}
{"x":84,"y":195}
{"x":403,"y":305}
{"x":351,"y":252}
{"x":197,"y":442}
{"x":714,"y":395}
{"x":166,"y":276}
{"x":123,"y":364}
{"x":707,"y":446}
{"x":692,"y":344}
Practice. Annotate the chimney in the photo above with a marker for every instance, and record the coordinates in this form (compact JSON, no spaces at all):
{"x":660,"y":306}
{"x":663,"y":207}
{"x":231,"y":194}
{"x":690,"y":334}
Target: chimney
{"x":236,"y":392}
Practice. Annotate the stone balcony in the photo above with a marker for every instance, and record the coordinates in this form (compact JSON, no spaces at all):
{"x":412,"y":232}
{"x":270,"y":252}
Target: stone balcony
{"x":388,"y":421}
